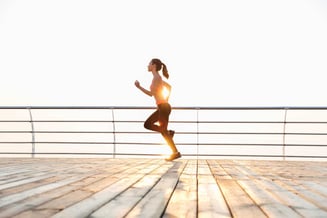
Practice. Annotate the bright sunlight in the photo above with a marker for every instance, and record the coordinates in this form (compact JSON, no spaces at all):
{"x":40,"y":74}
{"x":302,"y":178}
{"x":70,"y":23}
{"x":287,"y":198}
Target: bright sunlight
{"x":165,"y":92}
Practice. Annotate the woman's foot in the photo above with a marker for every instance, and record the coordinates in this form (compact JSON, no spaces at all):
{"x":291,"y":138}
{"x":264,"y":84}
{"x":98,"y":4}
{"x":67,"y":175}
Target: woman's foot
{"x":173,"y":156}
{"x":171,"y":133}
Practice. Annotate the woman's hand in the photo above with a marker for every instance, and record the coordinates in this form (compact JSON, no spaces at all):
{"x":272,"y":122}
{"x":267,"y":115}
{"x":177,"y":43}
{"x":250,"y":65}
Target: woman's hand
{"x":137,"y":83}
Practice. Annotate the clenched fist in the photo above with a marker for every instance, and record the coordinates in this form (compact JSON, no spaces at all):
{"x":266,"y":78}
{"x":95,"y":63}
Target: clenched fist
{"x":137,"y":83}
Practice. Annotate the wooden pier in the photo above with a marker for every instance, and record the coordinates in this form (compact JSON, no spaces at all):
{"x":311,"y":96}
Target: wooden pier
{"x":80,"y":187}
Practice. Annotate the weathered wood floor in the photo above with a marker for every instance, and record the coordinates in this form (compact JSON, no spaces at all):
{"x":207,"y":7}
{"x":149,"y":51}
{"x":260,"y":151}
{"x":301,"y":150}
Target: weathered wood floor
{"x":155,"y":188}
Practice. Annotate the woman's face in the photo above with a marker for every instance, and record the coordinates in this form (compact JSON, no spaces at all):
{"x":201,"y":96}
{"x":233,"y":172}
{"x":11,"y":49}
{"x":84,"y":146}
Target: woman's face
{"x":150,"y":66}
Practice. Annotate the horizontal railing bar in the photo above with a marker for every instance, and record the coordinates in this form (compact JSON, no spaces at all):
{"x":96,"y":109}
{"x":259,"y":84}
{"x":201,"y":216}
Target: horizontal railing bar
{"x":84,"y":132}
{"x":159,"y":144}
{"x":128,"y":121}
{"x":79,"y":132}
{"x":265,"y":122}
{"x":69,"y":132}
{"x":76,"y":153}
{"x":258,"y":155}
{"x":16,"y":142}
{"x":62,"y":121}
{"x":252,"y":144}
{"x":147,"y":107}
{"x":189,"y":154}
{"x":240,"y":122}
{"x":61,"y":142}
{"x":172,"y":121}
{"x":181,"y":133}
{"x":258,"y":133}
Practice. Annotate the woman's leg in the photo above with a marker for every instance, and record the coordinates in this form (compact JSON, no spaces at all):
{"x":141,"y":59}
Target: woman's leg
{"x":164,"y":112}
{"x":162,"y":116}
{"x":170,"y":142}
{"x":150,"y":122}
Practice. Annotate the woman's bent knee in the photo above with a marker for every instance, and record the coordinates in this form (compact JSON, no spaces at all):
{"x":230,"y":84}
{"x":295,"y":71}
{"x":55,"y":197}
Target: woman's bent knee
{"x":147,"y":125}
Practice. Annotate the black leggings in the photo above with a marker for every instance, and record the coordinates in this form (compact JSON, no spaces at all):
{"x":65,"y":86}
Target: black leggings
{"x":161,"y":115}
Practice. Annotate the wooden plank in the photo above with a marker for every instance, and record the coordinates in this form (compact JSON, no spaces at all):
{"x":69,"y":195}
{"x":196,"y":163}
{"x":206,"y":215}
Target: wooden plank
{"x":29,"y":186}
{"x":154,"y":203}
{"x":55,"y":198}
{"x":211,"y":202}
{"x":88,"y":191}
{"x":312,"y":197}
{"x":21,"y":176}
{"x":315,"y":187}
{"x":25,"y":181}
{"x":123,"y":171}
{"x":87,"y":206}
{"x":231,"y":169}
{"x":287,"y":184}
{"x":217,"y":171}
{"x":263,"y":198}
{"x":25,"y":194}
{"x":123,"y":203}
{"x":294,"y":201}
{"x":30,"y":203}
{"x":268,"y":203}
{"x":239,"y":202}
{"x":12,"y":171}
{"x":183,"y":202}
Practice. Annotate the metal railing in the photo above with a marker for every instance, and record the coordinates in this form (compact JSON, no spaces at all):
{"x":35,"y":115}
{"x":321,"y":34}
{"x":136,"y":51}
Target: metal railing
{"x":229,"y":132}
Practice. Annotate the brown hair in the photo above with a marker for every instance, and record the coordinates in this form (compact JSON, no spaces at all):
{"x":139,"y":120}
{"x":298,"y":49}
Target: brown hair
{"x":160,"y":65}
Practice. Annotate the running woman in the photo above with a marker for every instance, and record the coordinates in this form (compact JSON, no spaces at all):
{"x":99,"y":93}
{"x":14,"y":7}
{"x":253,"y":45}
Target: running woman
{"x":160,"y":90}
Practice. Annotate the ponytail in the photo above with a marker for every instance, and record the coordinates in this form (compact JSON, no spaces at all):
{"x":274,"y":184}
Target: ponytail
{"x":165,"y":71}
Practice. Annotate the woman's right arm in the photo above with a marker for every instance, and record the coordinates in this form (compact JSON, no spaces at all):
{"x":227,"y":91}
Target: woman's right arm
{"x":138,"y":85}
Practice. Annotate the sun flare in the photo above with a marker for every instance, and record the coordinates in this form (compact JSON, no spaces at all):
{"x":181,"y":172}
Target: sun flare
{"x":165,"y":93}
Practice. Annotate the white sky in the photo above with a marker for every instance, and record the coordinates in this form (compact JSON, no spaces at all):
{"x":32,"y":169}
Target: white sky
{"x":219,"y":53}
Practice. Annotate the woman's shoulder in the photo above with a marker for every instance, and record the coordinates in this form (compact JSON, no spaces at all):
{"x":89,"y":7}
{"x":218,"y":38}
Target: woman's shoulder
{"x":157,"y":79}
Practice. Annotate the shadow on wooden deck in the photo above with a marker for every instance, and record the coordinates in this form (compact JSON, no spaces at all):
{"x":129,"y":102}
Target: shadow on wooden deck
{"x":155,"y":188}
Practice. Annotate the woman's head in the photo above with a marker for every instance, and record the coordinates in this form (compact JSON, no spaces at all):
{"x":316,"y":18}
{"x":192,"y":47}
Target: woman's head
{"x":158,"y":65}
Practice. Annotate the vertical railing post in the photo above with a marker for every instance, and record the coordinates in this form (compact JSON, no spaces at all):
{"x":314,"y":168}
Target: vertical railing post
{"x":33,"y":132}
{"x":197,"y":132}
{"x":284,"y":133}
{"x":114,"y":132}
